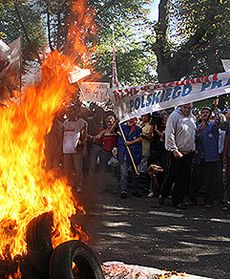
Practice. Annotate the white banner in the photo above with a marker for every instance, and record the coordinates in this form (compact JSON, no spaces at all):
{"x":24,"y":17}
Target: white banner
{"x":95,"y":91}
{"x":136,"y":101}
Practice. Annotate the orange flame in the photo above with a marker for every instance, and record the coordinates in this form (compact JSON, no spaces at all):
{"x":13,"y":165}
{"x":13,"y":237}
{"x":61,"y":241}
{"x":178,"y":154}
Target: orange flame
{"x":26,"y":190}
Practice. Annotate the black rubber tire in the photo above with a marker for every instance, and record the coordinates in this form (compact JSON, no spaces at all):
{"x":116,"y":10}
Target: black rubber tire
{"x":39,"y":245}
{"x":70,"y":252}
{"x":7,"y":267}
{"x":27,"y":271}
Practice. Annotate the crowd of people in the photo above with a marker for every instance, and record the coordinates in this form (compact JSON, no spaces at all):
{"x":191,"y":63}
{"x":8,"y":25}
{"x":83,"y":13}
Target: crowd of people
{"x":183,"y":154}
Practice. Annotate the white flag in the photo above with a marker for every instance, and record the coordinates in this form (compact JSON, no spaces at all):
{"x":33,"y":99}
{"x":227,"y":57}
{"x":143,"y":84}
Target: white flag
{"x":78,"y":74}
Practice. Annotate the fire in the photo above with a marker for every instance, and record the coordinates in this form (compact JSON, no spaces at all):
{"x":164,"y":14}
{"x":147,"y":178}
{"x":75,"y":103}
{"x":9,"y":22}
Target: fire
{"x":26,"y":190}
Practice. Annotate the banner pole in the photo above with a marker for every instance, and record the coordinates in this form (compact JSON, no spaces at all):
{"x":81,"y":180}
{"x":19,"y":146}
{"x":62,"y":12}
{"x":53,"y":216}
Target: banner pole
{"x":129,"y":151}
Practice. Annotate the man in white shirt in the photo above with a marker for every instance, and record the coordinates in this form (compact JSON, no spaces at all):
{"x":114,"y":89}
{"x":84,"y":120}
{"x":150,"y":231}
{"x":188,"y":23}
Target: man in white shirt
{"x":180,"y":141}
{"x":74,"y":136}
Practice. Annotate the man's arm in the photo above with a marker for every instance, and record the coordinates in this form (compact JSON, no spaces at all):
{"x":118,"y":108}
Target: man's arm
{"x":170,"y":137}
{"x":137,"y":140}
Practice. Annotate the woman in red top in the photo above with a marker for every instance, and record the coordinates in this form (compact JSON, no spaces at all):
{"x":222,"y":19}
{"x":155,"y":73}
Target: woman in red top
{"x":109,"y":139}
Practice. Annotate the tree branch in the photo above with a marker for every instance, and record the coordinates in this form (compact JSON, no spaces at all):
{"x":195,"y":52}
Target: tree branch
{"x":209,"y":20}
{"x":21,"y":23}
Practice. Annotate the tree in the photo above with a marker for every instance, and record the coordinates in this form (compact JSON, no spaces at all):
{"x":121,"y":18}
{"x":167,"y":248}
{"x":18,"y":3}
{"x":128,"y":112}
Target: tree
{"x":135,"y":62}
{"x":18,"y":18}
{"x":126,"y":17}
{"x":191,"y":37}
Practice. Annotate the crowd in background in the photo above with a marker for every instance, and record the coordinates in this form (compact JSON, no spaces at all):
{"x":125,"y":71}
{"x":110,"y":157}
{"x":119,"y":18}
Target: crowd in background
{"x":182,"y":154}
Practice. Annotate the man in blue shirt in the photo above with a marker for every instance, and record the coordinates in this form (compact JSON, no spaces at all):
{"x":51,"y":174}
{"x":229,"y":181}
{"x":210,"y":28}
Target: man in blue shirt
{"x":132,"y":134}
{"x":206,"y":158}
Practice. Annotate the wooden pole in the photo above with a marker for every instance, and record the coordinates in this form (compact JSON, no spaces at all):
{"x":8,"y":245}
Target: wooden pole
{"x":129,"y":151}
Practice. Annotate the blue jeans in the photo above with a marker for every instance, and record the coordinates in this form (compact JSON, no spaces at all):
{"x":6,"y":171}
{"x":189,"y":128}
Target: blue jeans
{"x":124,"y":168}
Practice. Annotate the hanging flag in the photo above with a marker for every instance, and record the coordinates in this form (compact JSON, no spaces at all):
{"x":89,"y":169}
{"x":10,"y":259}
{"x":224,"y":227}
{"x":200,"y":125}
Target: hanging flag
{"x":115,"y":78}
{"x":114,"y":65}
{"x":10,"y":74}
{"x":11,"y":57}
{"x":4,"y":55}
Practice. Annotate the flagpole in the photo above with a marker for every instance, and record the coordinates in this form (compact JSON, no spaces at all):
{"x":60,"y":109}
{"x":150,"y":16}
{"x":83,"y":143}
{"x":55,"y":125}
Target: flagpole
{"x":129,"y":151}
{"x":20,"y":72}
{"x":115,"y":84}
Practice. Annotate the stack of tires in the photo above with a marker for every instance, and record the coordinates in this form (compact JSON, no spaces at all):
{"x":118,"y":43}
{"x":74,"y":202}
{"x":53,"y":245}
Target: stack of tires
{"x":70,"y":260}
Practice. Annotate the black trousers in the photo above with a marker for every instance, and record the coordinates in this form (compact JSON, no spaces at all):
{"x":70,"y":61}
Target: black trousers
{"x":205,"y":173}
{"x":179,"y":173}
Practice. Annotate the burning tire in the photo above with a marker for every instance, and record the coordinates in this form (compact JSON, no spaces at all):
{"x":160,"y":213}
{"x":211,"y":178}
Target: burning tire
{"x":72,"y":260}
{"x":39,"y":245}
{"x":7,"y":267}
{"x":27,"y":270}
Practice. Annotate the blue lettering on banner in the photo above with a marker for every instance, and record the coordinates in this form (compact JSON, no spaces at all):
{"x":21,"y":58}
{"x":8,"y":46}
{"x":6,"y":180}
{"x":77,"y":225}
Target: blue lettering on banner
{"x":142,"y":101}
{"x":137,"y":103}
{"x":155,"y":98}
{"x":216,"y":84}
{"x":205,"y":85}
{"x":168,"y":93}
{"x":131,"y":105}
{"x":187,"y":90}
{"x":161,"y":95}
{"x":149,"y":100}
{"x":176,"y":92}
{"x":228,"y":82}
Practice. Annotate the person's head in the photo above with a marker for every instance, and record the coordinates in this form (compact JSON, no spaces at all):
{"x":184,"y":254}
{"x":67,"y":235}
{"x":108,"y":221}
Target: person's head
{"x":228,"y":115}
{"x":71,"y":114}
{"x":132,"y":121}
{"x":186,"y":109}
{"x":146,"y":118}
{"x":109,"y":121}
{"x":205,"y":113}
{"x":83,"y":113}
{"x":163,"y":117}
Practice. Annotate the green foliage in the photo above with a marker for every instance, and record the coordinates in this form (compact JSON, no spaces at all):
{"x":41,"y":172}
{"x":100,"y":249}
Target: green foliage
{"x":135,"y":63}
{"x":193,"y":36}
{"x":19,"y":19}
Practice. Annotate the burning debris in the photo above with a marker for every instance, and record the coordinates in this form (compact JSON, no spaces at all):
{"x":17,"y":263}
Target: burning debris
{"x":36,"y":205}
{"x":42,"y":261}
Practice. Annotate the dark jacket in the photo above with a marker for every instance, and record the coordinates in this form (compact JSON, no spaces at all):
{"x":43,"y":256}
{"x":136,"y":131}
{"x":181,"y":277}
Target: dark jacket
{"x":131,"y":133}
{"x":207,"y":141}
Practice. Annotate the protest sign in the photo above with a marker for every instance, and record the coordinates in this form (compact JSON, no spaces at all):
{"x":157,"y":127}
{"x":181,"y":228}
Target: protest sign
{"x":95,"y":91}
{"x":136,"y":101}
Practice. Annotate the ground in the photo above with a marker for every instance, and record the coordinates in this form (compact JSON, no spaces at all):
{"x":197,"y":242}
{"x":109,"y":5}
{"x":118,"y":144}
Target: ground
{"x":140,"y":231}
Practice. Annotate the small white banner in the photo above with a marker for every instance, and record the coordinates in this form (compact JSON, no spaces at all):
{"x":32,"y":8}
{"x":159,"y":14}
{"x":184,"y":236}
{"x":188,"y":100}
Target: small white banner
{"x":226,"y":64}
{"x":136,"y":101}
{"x":78,"y":74}
{"x":95,"y":91}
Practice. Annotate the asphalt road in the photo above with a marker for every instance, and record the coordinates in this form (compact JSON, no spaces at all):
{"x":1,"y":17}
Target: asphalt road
{"x":139,"y":231}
